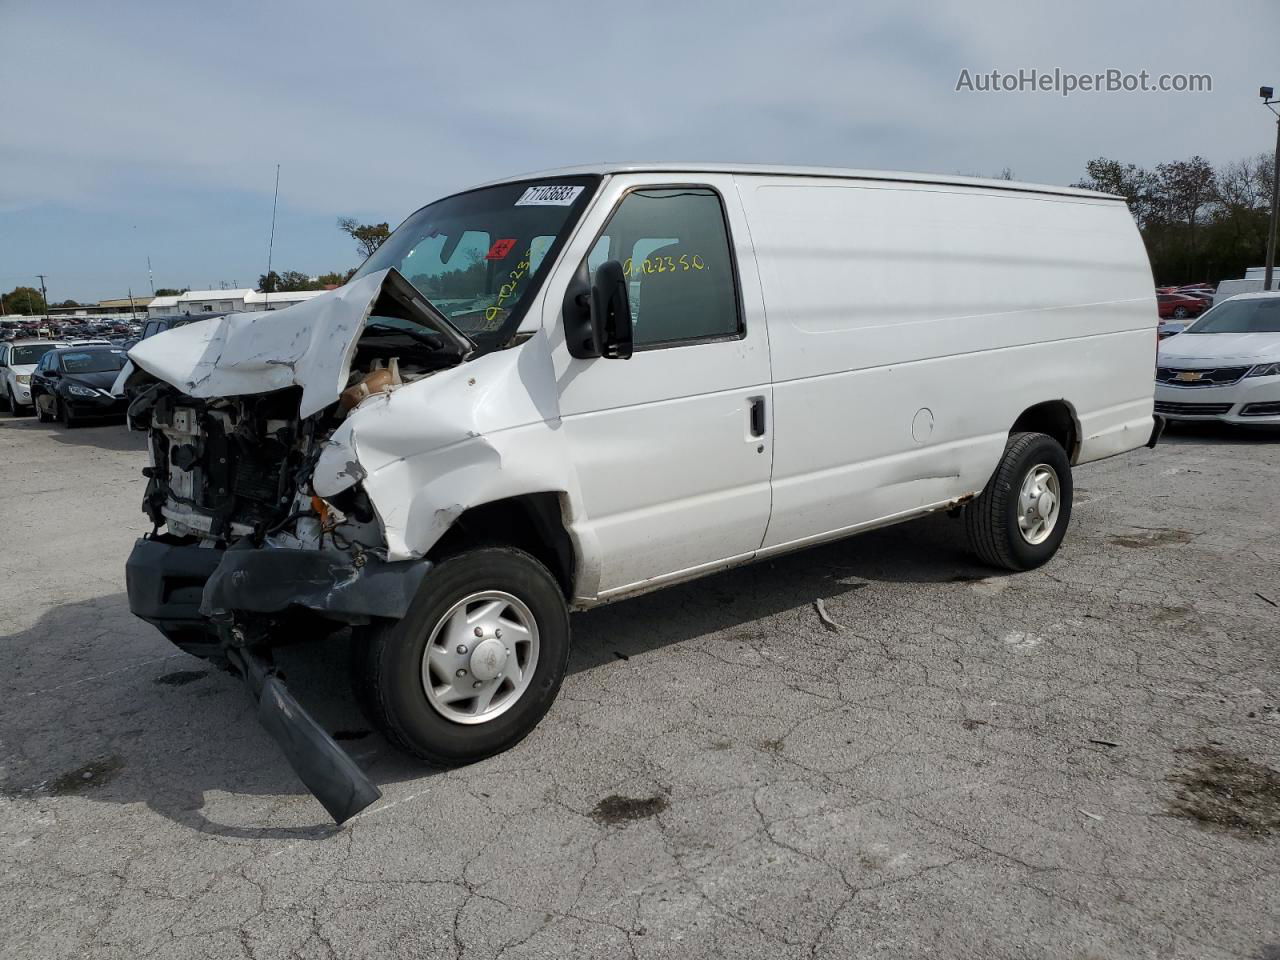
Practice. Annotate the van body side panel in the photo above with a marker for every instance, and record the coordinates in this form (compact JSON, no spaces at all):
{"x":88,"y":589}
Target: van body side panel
{"x":910,"y":325}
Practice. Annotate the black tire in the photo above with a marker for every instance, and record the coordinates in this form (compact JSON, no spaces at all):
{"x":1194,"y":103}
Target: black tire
{"x":390,"y":654}
{"x":40,"y":414}
{"x":991,"y":521}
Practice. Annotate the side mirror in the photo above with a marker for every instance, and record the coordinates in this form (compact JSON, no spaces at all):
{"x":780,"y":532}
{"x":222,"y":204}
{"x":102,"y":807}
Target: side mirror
{"x":611,"y":312}
{"x":597,"y":313}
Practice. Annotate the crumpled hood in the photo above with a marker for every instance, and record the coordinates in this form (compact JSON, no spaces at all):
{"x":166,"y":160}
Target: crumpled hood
{"x":1210,"y":348}
{"x":309,"y":345}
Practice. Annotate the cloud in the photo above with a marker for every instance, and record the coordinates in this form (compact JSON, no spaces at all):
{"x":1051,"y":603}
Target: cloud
{"x":120,"y":108}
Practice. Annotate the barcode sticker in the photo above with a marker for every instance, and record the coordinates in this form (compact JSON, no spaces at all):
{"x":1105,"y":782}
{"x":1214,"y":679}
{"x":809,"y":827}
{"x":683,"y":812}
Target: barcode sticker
{"x":550,"y":196}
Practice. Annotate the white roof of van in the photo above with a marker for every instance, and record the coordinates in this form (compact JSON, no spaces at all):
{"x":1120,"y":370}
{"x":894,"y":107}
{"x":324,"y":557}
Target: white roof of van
{"x":760,"y":169}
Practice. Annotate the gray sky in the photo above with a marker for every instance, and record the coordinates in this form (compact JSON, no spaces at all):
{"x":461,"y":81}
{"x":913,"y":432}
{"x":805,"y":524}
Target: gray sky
{"x":153,"y":128}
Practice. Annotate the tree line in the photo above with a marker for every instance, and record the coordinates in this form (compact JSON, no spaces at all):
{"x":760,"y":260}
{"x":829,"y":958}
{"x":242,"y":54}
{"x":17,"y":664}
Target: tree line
{"x":1198,"y":223}
{"x":368,"y":237}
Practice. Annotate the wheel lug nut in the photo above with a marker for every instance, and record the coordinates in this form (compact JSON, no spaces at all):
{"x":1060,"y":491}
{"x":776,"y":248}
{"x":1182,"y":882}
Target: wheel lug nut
{"x":498,"y":634}
{"x":477,"y":684}
{"x":462,"y":673}
{"x":479,"y":632}
{"x":462,"y":648}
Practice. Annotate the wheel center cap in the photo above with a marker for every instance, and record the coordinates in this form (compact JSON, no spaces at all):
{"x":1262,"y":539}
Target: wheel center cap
{"x":488,"y":658}
{"x":1044,"y":504}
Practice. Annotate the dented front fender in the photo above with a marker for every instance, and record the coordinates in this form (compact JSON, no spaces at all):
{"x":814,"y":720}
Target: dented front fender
{"x":464,"y":436}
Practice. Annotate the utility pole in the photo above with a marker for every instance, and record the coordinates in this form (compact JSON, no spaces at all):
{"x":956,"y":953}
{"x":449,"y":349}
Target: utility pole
{"x":1267,"y":94}
{"x":45,"y":297}
{"x":152,"y":277}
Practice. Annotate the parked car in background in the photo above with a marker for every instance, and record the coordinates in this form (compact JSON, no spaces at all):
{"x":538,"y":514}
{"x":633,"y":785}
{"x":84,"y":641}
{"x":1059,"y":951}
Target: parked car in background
{"x":1180,"y":306}
{"x":17,"y":361}
{"x":160,"y":324}
{"x":73,"y":384}
{"x":1201,"y":293}
{"x":1225,"y":366}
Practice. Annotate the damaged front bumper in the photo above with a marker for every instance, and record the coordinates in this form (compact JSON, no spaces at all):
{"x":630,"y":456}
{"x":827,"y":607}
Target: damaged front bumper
{"x":239,"y":409}
{"x":180,"y":587}
{"x":223,"y":604}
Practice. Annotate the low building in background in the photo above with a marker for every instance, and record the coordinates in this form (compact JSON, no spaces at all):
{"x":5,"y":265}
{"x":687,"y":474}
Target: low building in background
{"x":196,"y":302}
{"x":135,"y":307}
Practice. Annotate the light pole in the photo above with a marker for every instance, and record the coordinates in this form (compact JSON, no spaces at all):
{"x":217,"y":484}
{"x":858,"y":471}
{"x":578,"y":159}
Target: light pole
{"x":45,"y":297}
{"x":1268,"y":100}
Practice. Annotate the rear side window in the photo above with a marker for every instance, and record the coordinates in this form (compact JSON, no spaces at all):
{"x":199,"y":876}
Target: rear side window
{"x":674,"y":250}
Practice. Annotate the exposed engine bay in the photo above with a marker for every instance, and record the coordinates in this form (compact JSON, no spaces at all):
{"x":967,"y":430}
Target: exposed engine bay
{"x":227,"y":468}
{"x":244,"y":555}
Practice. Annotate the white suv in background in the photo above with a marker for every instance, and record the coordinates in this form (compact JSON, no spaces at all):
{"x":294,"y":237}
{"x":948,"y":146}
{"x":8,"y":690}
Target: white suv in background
{"x":17,"y":360}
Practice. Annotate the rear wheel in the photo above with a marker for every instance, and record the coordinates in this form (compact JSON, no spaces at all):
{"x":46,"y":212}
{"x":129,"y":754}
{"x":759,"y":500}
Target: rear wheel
{"x":1021,"y":517}
{"x":474,"y":665}
{"x":1181,"y":313}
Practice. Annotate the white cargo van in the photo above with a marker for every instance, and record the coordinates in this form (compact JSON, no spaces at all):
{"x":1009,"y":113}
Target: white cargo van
{"x":565,"y":389}
{"x":1252,"y":283}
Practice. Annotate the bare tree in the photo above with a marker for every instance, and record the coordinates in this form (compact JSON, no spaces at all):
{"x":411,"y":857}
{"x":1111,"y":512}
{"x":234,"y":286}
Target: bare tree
{"x":1187,"y":188}
{"x":368,"y":236}
{"x":1136,"y":184}
{"x":1240,"y":187}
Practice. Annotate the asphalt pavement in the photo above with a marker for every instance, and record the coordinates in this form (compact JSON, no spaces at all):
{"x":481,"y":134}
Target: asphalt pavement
{"x":1077,"y":762}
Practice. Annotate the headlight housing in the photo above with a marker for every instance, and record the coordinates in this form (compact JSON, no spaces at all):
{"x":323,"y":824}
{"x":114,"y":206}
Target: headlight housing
{"x":23,"y":378}
{"x":1265,"y":370}
{"x":78,"y":391}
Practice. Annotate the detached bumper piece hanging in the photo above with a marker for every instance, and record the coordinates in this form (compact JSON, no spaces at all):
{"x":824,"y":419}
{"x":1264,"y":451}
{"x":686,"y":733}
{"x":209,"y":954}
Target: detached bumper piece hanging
{"x":323,"y":766}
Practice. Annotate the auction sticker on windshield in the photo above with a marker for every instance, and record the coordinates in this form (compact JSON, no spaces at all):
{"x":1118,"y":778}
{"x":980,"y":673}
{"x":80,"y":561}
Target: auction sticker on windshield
{"x":550,"y":196}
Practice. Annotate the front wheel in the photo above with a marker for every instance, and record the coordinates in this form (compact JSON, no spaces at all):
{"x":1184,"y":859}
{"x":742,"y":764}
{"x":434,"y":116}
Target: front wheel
{"x":41,"y":414}
{"x":1021,"y":517}
{"x":64,"y":415}
{"x":476,"y":662}
{"x":1181,"y":313}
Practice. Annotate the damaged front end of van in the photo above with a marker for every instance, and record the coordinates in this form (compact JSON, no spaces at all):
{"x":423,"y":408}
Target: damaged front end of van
{"x":263,"y":531}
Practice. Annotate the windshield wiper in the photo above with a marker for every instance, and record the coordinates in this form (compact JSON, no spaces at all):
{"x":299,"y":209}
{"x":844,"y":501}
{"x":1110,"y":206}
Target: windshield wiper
{"x":432,"y":340}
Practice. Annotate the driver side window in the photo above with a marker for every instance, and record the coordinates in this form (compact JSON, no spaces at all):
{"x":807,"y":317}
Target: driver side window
{"x":674,"y":248}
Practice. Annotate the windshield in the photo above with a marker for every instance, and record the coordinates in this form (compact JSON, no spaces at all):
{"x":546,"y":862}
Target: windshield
{"x":480,"y":256}
{"x":30,"y":353}
{"x":1240,"y":316}
{"x":95,"y":361}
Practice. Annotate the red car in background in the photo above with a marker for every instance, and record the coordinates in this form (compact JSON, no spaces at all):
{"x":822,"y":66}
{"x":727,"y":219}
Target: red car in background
{"x":1180,"y":306}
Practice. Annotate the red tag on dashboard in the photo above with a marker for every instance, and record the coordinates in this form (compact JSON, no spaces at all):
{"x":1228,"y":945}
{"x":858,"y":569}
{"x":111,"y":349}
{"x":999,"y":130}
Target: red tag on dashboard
{"x":500,"y":248}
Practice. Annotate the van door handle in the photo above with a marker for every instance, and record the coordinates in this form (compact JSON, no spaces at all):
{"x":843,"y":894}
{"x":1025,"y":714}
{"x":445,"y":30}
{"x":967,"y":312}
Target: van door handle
{"x":756,"y":413}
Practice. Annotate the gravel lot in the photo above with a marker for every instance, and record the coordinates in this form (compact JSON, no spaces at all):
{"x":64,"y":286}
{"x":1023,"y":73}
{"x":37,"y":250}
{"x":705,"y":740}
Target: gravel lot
{"x":1078,"y":762}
